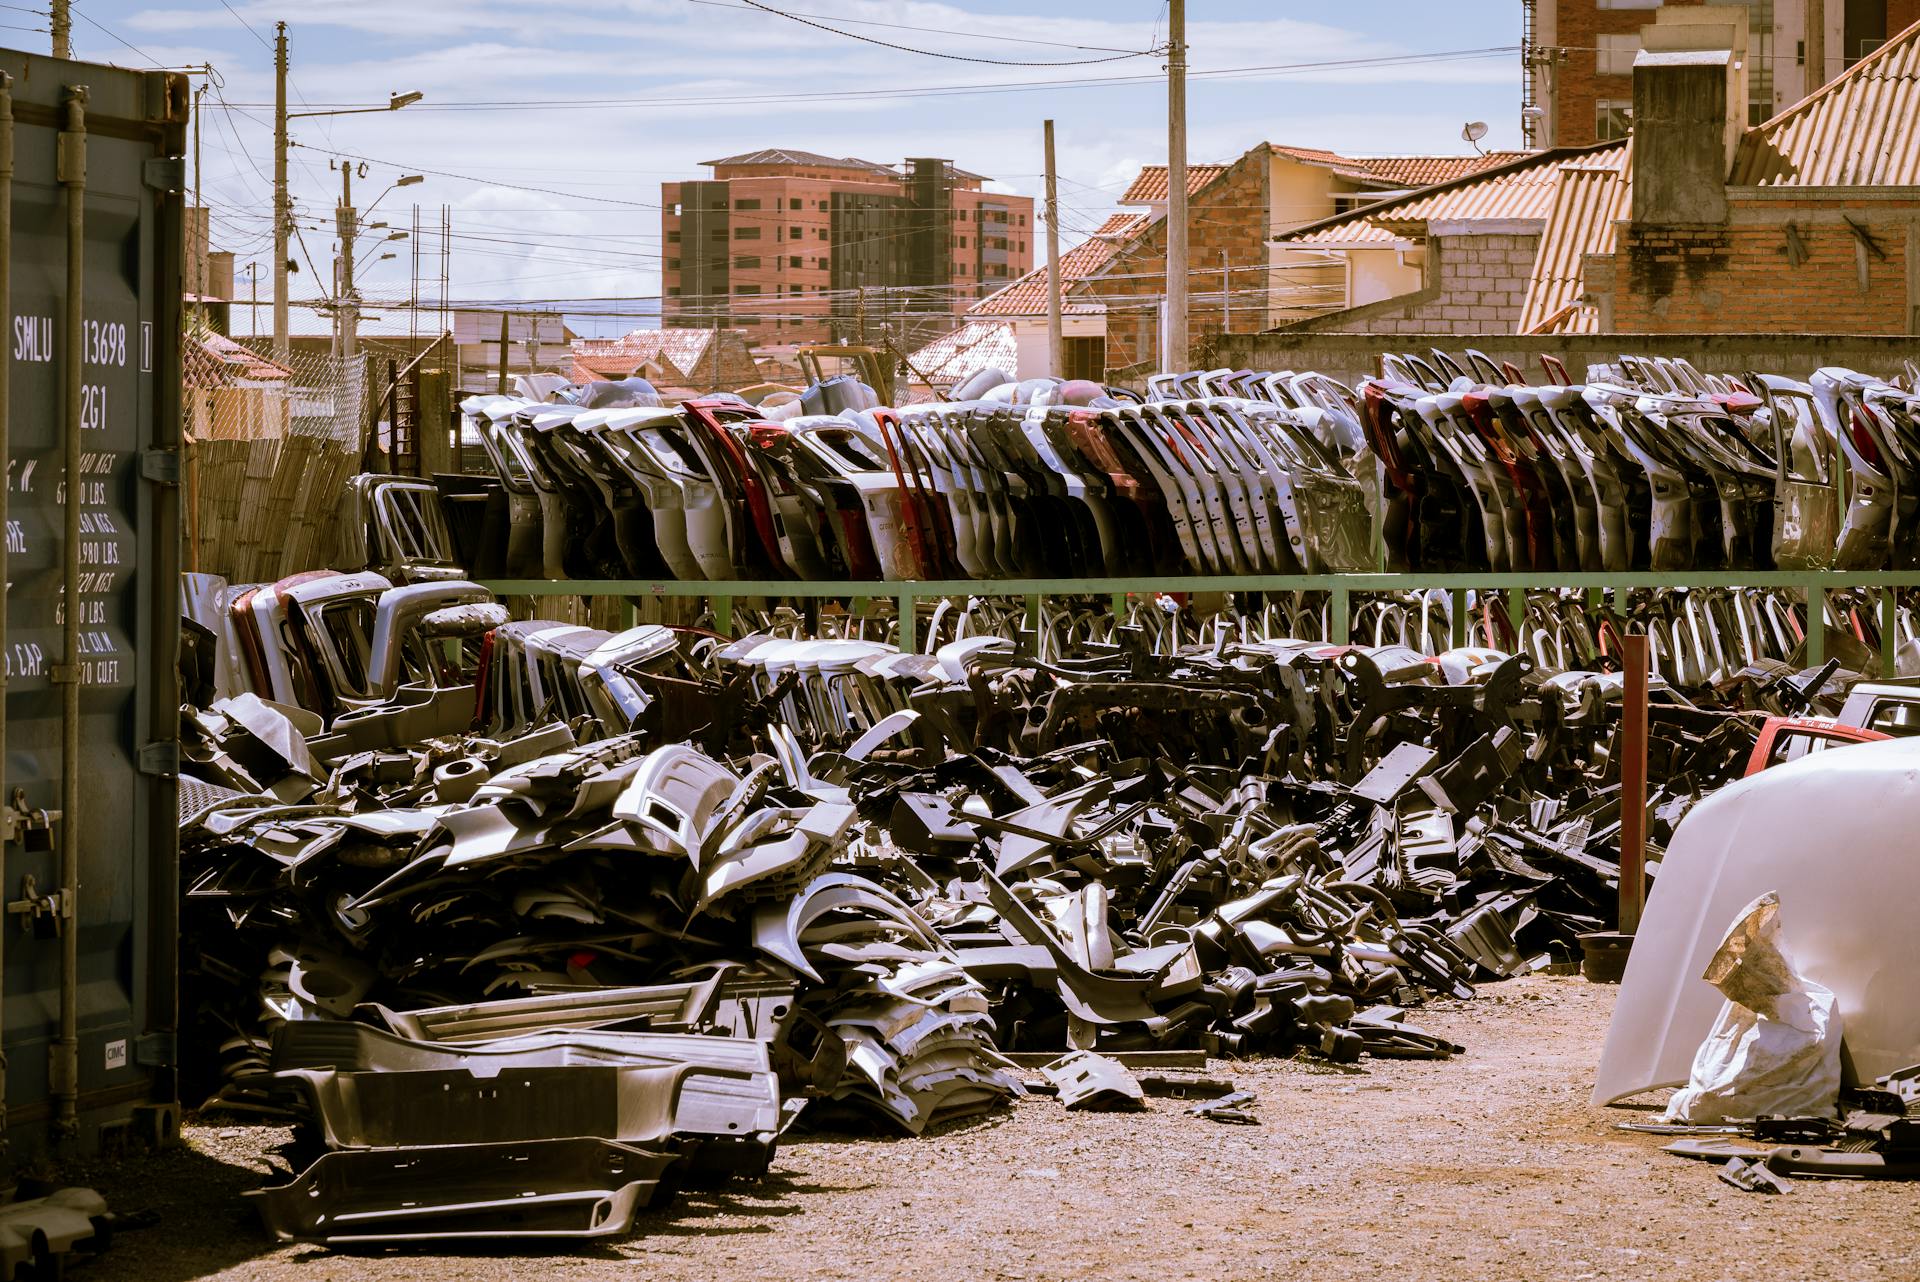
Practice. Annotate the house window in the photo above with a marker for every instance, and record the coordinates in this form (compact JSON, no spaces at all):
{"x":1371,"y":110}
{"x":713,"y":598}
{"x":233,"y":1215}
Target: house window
{"x":746,"y":289}
{"x":794,"y":261}
{"x":793,"y":233}
{"x":822,"y":204}
{"x":673,"y":291}
{"x":673,"y":264}
{"x":673,"y":237}
{"x":746,"y":233}
{"x":1612,"y":118}
{"x":747,"y":204}
{"x":820,"y":232}
{"x":1626,"y":4}
{"x":963,"y":242}
{"x":1084,"y":358}
{"x":746,"y":264}
{"x":1615,"y":55}
{"x":793,"y":202}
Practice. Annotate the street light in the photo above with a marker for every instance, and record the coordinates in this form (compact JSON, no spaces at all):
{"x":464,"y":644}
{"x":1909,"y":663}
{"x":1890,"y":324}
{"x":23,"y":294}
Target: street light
{"x":282,"y":203}
{"x":407,"y":180}
{"x":394,"y":103}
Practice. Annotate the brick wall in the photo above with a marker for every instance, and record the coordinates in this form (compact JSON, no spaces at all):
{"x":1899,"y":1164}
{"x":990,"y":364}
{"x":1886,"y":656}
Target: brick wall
{"x":1228,"y":216}
{"x":1785,"y":265}
{"x":1476,"y":284}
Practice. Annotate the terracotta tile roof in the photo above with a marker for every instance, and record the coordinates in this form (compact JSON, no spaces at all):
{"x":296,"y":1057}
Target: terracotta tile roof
{"x":976,"y":344}
{"x":1861,"y":129}
{"x":214,"y":360}
{"x":591,"y":368}
{"x":1028,"y":295}
{"x":1423,"y":171}
{"x":1519,"y":189}
{"x":1151,"y":186}
{"x":682,"y":348}
{"x":1587,"y":200}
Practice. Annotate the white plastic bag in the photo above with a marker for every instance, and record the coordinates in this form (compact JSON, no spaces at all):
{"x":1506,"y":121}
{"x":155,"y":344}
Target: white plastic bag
{"x":1776,"y":1046}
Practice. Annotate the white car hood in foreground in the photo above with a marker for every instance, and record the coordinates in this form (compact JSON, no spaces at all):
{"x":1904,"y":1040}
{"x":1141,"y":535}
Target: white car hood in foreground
{"x":1837,"y":833}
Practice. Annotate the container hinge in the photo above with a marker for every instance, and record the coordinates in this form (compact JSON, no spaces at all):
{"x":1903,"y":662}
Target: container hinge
{"x":162,"y":467}
{"x":161,"y":757}
{"x":154,"y":1050}
{"x":165,"y":173}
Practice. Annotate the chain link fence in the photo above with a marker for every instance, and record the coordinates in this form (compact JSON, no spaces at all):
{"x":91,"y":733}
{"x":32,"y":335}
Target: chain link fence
{"x":270,"y":445}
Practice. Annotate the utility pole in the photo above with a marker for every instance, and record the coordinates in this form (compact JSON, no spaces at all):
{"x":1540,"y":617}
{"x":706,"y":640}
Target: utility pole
{"x":281,"y":211}
{"x":503,"y":353}
{"x":62,"y":28}
{"x":200,"y":280}
{"x":1226,"y":295}
{"x":344,"y":219}
{"x":1175,"y":356}
{"x":1056,"y":362}
{"x":1814,"y":24}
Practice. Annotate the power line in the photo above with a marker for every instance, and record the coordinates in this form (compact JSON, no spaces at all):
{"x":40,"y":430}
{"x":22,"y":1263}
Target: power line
{"x":248,"y":25}
{"x":958,"y":90}
{"x":934,"y":53}
{"x":938,"y":31}
{"x":114,"y":35}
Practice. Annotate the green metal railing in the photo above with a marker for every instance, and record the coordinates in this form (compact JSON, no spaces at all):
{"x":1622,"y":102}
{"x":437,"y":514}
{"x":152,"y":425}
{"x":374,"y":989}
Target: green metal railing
{"x":1812,"y":584}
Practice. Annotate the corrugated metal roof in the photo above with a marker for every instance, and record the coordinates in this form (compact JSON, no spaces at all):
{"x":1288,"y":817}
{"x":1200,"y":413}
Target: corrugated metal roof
{"x":1519,"y":189}
{"x":1151,"y":186}
{"x":1861,"y":129}
{"x":1028,"y":295}
{"x":978,"y":343}
{"x":1587,"y":200}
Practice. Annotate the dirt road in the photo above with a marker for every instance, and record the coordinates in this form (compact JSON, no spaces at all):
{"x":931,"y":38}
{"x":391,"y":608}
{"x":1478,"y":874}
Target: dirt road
{"x":1489,"y":1166}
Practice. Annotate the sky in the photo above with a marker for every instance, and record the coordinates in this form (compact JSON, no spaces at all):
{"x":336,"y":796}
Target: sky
{"x":548,"y":127}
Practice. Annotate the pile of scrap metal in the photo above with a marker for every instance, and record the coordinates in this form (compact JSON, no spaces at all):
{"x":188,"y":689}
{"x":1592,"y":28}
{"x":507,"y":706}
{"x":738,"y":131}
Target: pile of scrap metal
{"x":512,"y":974}
{"x":1644,"y":465}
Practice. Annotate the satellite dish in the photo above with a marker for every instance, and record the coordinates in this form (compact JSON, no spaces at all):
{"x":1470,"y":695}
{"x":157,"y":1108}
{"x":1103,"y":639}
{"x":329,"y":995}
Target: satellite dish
{"x":1473,"y":130}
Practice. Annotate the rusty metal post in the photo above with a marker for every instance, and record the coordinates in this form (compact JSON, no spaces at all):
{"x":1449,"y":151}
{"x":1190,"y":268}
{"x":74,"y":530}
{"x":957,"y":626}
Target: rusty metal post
{"x":1633,"y":785}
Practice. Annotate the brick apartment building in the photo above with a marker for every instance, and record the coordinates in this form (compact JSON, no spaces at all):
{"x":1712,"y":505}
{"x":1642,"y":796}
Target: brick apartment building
{"x":795,"y":247}
{"x":1581,"y":81}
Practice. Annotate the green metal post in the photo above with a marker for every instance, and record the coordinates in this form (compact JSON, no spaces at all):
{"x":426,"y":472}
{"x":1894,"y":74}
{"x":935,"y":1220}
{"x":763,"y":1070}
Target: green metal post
{"x":1517,"y":614}
{"x":1816,"y":626}
{"x":1341,"y":610}
{"x":1458,"y":622}
{"x":1119,"y":600}
{"x":1889,"y":620}
{"x":908,"y":641}
{"x":723,"y":615}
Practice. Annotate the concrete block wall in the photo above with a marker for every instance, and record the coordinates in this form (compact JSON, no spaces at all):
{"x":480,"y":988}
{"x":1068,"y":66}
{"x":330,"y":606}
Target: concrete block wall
{"x":1476,"y":284}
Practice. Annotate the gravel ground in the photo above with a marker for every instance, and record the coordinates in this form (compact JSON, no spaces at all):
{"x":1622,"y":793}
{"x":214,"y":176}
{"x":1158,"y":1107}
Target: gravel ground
{"x":1489,"y":1166}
